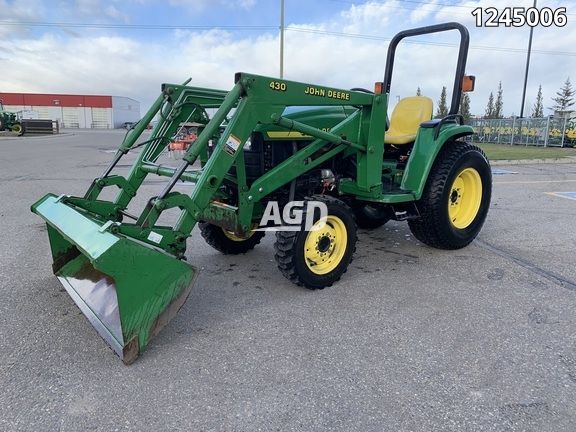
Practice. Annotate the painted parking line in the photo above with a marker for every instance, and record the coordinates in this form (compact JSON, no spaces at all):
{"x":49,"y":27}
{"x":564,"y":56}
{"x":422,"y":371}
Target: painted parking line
{"x":568,"y":195}
{"x":497,"y":171}
{"x":535,"y":181}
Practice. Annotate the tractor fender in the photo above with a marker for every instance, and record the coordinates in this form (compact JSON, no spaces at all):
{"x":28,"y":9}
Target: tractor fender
{"x":424,"y":153}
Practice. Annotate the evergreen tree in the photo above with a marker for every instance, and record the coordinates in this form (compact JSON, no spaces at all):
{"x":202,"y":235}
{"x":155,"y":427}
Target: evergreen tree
{"x":442,"y":110}
{"x":418,"y":92}
{"x":489,"y":113}
{"x":538,"y":109}
{"x":498,"y":105}
{"x":465,"y":107}
{"x":564,"y":97}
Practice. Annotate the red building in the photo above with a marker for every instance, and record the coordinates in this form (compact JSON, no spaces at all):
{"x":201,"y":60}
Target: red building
{"x":74,"y":111}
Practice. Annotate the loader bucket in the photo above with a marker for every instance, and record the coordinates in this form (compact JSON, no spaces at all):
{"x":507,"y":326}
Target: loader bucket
{"x":126,"y":289}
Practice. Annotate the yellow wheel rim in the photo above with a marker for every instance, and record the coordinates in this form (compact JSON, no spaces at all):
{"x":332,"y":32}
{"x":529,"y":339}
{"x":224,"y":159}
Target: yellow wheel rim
{"x":325,"y":246}
{"x":234,"y":237}
{"x":465,"y":198}
{"x":17,"y":128}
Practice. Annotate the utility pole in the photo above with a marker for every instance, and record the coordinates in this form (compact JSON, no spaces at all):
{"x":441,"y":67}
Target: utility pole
{"x":281,"y":38}
{"x":527,"y":67}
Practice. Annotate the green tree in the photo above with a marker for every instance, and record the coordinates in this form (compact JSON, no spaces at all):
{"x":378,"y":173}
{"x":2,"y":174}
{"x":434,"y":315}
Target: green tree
{"x":418,"y":92}
{"x":498,"y":105}
{"x":465,"y":107}
{"x":538,"y":109}
{"x":489,"y":113}
{"x":442,"y":110}
{"x":564,"y":97}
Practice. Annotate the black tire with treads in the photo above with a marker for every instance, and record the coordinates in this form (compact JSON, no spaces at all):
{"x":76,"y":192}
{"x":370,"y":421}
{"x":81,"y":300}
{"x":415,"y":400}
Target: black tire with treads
{"x":290,"y":248}
{"x":215,"y":237}
{"x":434,"y":226}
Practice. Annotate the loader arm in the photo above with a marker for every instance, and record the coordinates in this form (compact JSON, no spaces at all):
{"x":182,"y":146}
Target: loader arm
{"x":92,"y":245}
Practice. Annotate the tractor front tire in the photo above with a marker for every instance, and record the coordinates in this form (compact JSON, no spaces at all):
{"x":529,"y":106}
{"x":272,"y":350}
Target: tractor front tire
{"x":227,"y":242}
{"x":456,"y":198}
{"x":18,"y":129}
{"x":317,"y":258}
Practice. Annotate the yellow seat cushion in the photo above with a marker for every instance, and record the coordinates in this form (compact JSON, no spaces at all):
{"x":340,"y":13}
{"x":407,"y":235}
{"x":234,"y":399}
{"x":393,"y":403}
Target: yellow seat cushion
{"x":406,"y":119}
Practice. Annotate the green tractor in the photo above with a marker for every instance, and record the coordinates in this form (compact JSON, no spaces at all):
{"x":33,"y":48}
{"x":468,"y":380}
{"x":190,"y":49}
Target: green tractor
{"x":9,"y":121}
{"x":328,"y":157}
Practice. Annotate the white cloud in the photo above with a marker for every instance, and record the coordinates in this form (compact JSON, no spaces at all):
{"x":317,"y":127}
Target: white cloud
{"x":422,"y":12}
{"x":19,"y":11}
{"x":245,"y":4}
{"x":113,"y":12}
{"x":88,"y":7}
{"x":202,"y":5}
{"x":370,"y":15}
{"x":96,"y":9}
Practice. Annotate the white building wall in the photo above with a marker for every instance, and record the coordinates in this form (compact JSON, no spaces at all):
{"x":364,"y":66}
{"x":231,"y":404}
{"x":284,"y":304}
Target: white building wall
{"x":15,"y":108}
{"x":37,"y":112}
{"x":71,"y":117}
{"x":101,"y":118}
{"x":48,"y":112}
{"x":124,"y":109}
{"x":75,"y":117}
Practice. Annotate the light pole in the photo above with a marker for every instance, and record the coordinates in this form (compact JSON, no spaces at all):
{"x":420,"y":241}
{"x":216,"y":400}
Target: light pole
{"x":281,"y":38}
{"x":527,"y":67}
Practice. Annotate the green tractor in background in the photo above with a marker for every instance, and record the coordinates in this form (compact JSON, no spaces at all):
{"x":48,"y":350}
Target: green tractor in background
{"x":10,"y":121}
{"x":270,"y":142}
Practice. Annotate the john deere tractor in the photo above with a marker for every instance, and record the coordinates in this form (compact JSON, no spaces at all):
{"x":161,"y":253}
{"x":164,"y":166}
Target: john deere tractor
{"x":9,"y":121}
{"x":270,"y":143}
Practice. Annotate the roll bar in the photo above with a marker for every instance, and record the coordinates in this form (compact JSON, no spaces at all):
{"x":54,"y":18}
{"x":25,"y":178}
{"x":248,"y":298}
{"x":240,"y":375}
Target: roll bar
{"x":460,"y":66}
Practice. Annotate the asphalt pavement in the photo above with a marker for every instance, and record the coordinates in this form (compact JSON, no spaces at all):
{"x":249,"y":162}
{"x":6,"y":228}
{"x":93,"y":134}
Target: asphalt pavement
{"x":411,"y":338}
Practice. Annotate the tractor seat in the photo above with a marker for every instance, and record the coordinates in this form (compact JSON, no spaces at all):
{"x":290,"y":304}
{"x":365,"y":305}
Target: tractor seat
{"x":406,"y":118}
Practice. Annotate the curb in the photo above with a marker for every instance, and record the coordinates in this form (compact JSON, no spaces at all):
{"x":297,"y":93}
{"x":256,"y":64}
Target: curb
{"x":34,"y":137}
{"x":565,"y":160}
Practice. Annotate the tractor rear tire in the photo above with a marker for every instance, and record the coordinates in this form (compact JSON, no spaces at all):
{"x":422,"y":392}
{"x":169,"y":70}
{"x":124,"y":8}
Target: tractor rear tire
{"x":227,"y":242}
{"x":18,"y":129}
{"x":371,"y":216}
{"x":456,"y":198}
{"x":318,"y":258}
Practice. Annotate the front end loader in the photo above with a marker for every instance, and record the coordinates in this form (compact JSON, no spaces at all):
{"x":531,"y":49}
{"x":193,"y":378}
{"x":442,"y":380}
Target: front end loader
{"x":269,"y":143}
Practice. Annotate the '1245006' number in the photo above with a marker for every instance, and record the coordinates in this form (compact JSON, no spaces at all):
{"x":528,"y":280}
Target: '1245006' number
{"x":519,"y":16}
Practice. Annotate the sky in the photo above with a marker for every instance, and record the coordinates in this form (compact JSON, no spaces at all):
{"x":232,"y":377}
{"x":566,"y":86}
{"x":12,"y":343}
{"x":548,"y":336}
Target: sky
{"x":129,"y":47}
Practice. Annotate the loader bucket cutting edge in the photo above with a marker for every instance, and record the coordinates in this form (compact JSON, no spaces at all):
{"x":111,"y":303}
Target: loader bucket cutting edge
{"x":128,"y":291}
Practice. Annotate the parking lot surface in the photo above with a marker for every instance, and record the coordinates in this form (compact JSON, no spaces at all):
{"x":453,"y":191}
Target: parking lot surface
{"x":411,"y":338}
